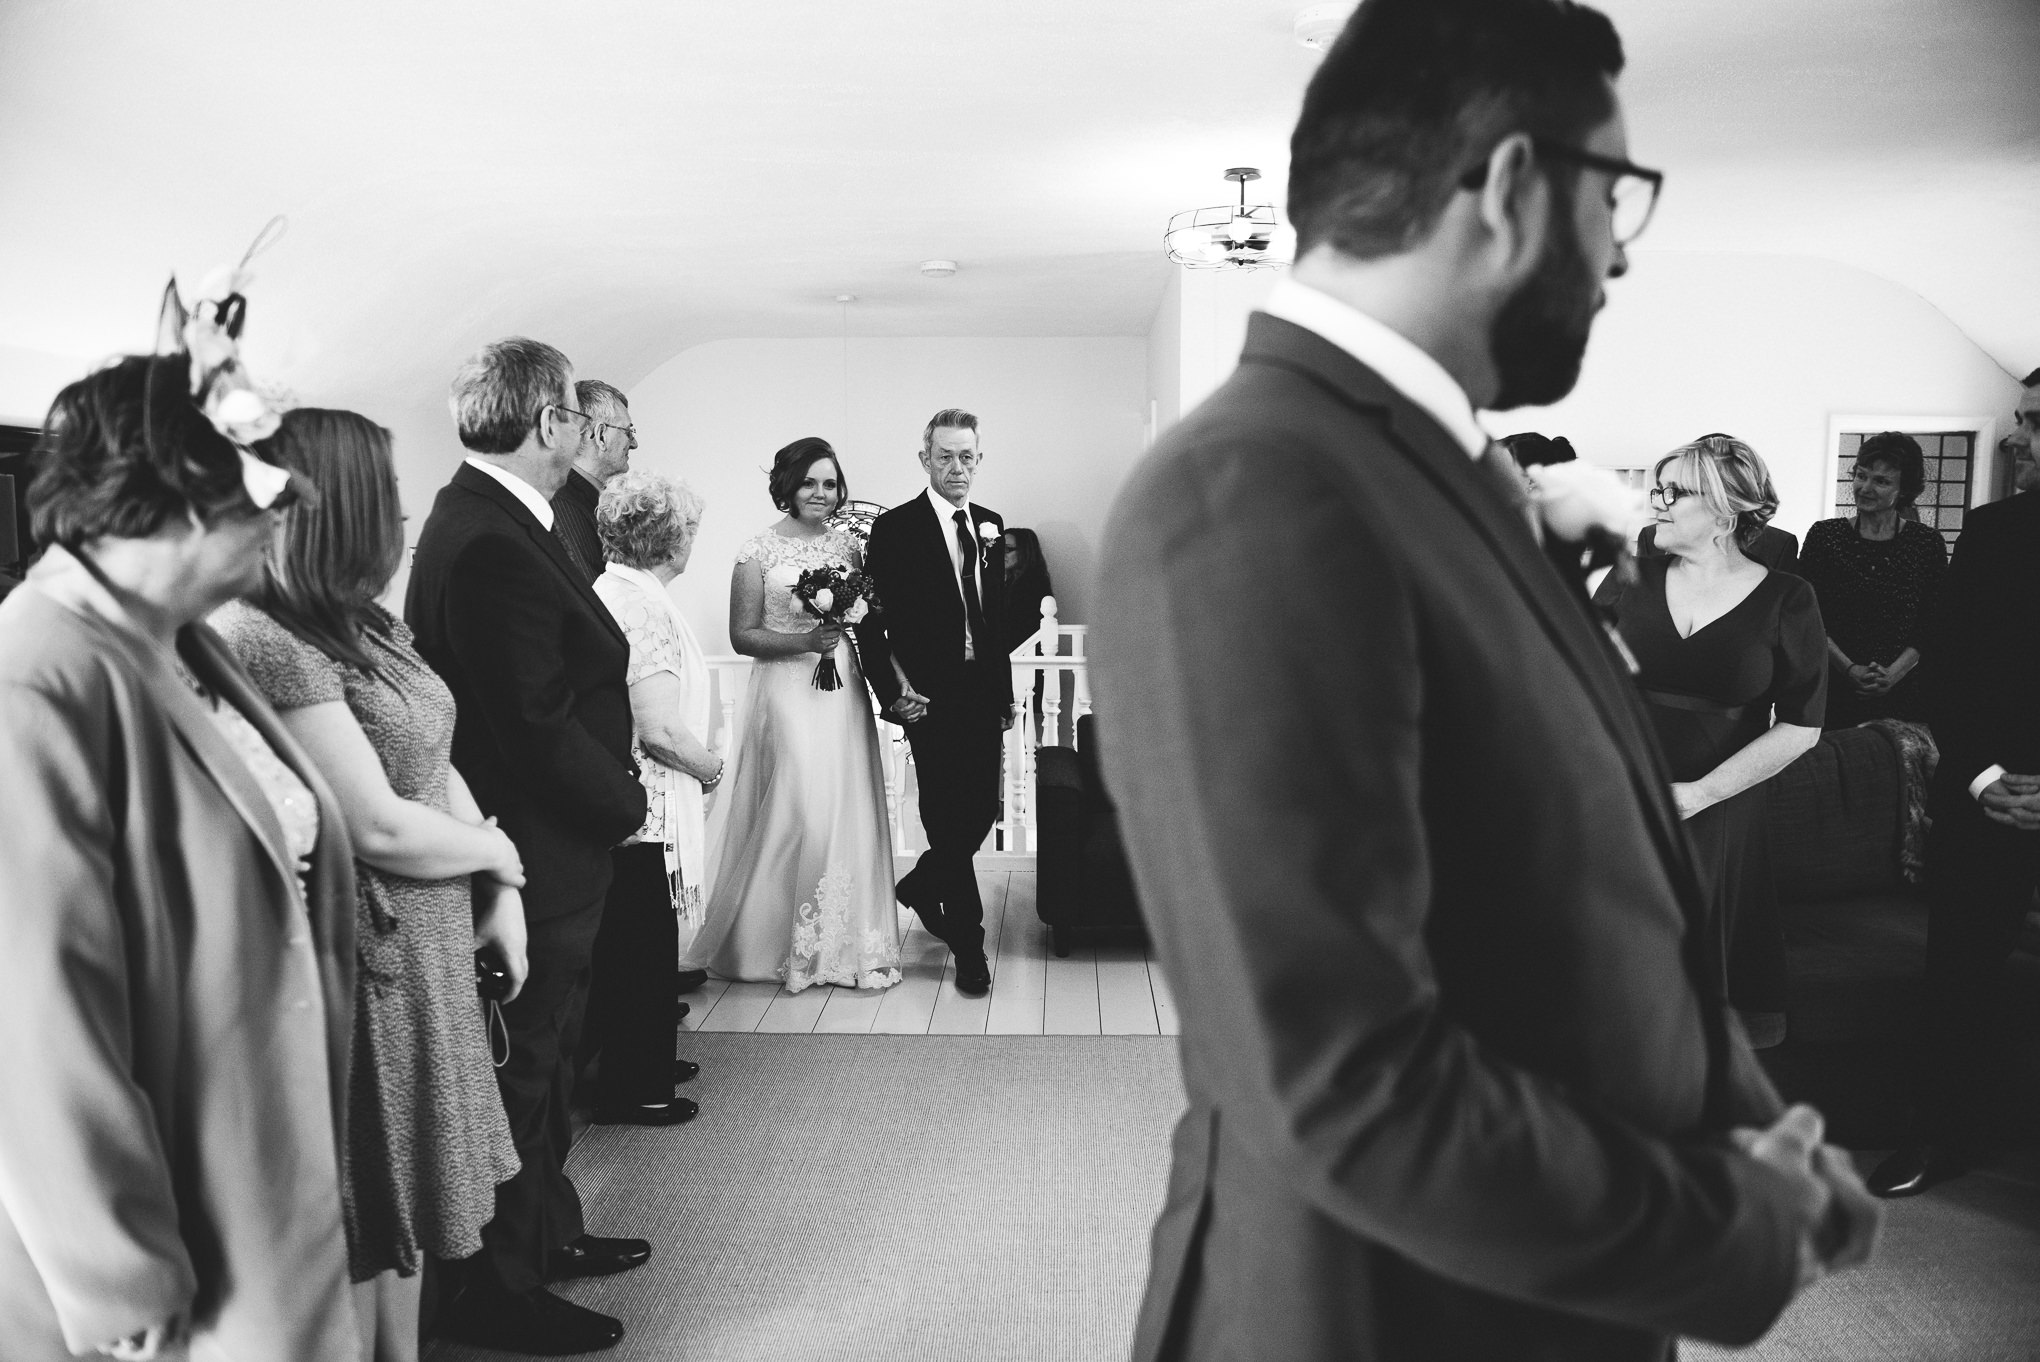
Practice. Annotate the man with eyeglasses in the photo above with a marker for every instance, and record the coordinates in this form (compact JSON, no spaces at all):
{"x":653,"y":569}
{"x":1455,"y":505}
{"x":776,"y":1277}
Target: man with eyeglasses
{"x":1462,"y":1079}
{"x":933,"y":657}
{"x":607,"y":439}
{"x":542,"y":734}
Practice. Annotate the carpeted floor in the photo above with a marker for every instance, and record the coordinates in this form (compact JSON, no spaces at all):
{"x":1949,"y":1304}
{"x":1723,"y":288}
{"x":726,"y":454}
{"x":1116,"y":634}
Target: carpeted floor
{"x":880,"y":1197}
{"x":975,"y":1199}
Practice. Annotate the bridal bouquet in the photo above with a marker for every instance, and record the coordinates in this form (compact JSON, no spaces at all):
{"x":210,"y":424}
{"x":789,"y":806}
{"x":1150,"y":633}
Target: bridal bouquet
{"x":833,"y":595}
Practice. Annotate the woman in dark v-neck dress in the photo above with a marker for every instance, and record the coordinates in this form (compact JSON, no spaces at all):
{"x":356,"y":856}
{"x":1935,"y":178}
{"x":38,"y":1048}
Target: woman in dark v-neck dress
{"x":1736,"y":689}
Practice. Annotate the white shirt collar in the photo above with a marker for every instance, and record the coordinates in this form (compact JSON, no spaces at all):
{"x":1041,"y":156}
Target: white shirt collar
{"x":519,"y":488}
{"x":1399,"y":361}
{"x":944,"y":509}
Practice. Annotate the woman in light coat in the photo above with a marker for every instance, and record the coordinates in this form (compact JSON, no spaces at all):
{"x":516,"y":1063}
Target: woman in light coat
{"x":178,"y":905}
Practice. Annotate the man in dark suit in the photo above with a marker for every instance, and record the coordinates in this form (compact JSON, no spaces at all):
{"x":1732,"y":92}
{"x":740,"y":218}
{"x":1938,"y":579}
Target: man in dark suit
{"x":933,"y":657}
{"x":605,"y":452}
{"x":1983,"y":852}
{"x":1462,"y":1080}
{"x":542,"y":735}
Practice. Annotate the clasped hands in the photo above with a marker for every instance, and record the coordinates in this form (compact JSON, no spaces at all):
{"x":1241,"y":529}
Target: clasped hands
{"x":2013,"y":800}
{"x":1874,"y":678}
{"x":1841,"y":1215}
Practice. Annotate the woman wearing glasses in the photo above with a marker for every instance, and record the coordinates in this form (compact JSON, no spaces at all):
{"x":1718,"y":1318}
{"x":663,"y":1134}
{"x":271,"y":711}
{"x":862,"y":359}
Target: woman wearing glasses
{"x":800,"y":872}
{"x":1732,"y":663}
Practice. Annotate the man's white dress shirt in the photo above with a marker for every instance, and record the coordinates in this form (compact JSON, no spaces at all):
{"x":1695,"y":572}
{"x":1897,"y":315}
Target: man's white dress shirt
{"x":1388,"y":352}
{"x":947,"y":513}
{"x":519,"y":488}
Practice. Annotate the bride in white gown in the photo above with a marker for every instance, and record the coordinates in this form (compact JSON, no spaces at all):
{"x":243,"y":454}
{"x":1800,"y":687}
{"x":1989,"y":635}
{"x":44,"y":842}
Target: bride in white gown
{"x":800,"y":871}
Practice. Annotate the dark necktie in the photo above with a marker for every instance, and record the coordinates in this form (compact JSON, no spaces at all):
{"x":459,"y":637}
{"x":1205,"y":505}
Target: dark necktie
{"x":573,"y":553}
{"x":966,"y":560}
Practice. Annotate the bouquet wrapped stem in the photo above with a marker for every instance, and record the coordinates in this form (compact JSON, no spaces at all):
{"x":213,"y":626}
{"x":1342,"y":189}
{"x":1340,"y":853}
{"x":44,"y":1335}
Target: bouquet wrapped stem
{"x":833,"y":595}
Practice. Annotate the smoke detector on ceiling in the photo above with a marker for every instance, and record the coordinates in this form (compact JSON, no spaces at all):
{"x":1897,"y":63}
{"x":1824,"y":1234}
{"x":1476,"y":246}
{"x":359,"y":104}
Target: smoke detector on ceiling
{"x":1318,"y":26}
{"x":938,"y":269}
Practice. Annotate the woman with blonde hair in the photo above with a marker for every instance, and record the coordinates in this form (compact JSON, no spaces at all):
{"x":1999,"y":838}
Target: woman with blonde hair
{"x":647,"y":525}
{"x":1732,"y":661}
{"x":427,"y":1140}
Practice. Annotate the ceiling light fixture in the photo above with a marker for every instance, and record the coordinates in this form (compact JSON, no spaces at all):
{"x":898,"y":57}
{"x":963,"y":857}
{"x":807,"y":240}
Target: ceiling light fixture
{"x":1318,"y":26}
{"x":1231,"y":236}
{"x":938,"y":269}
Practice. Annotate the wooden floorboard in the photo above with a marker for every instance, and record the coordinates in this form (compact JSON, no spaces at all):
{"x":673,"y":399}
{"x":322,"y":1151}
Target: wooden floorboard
{"x":740,"y":1007}
{"x":1167,"y":1017}
{"x":1126,"y":1001}
{"x":701,"y":1002}
{"x":1069,"y":1004}
{"x":1018,"y":974}
{"x":849,"y":1011}
{"x":907,"y":1005}
{"x":796,"y":1013}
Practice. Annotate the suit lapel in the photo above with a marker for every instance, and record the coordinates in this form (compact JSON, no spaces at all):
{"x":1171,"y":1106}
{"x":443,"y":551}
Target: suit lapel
{"x":548,"y":543}
{"x":1444,"y":463}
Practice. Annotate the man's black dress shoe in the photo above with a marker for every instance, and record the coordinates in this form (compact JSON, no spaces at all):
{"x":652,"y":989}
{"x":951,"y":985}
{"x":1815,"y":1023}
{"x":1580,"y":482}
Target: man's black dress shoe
{"x":690,"y":980}
{"x":675,"y":1112}
{"x":534,"y":1321}
{"x":1914,"y":1168}
{"x":973,"y":975}
{"x":591,"y":1255}
{"x":681,"y":1015}
{"x":684,"y":1070}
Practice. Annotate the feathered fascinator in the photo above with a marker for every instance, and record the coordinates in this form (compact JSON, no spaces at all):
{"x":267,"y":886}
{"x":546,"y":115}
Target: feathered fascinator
{"x":209,"y":331}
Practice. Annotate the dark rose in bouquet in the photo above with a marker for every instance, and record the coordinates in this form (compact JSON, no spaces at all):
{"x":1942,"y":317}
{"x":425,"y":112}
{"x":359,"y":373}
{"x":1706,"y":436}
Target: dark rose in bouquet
{"x":833,"y":595}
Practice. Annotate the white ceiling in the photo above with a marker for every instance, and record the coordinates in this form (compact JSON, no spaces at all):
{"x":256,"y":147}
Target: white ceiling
{"x":631,"y":177}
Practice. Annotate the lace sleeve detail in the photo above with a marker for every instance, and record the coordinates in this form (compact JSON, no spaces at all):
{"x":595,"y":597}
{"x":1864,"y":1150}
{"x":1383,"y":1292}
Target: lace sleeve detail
{"x":647,"y":626}
{"x":757,"y":549}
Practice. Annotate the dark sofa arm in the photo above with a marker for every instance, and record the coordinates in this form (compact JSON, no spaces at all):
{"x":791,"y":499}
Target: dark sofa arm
{"x":1836,"y":816}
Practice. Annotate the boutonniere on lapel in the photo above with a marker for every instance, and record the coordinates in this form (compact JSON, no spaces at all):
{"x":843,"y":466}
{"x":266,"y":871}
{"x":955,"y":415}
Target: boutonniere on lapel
{"x":1590,"y":517}
{"x":988,"y":535}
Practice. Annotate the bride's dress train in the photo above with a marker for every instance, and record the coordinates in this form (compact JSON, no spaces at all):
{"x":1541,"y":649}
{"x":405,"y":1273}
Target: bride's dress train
{"x":800,"y":870}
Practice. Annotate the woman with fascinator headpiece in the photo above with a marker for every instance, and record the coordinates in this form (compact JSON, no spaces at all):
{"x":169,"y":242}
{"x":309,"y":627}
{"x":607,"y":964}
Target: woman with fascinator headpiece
{"x":178,"y":983}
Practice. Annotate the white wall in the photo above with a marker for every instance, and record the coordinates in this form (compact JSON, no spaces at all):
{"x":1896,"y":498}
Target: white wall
{"x":1061,"y":423}
{"x":1195,"y":339}
{"x":1765,"y":348}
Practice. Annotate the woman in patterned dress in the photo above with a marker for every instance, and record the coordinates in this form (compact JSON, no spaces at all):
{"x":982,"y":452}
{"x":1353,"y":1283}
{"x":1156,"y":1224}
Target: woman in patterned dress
{"x":427,"y":1140}
{"x":800,"y":874}
{"x":1876,"y":573}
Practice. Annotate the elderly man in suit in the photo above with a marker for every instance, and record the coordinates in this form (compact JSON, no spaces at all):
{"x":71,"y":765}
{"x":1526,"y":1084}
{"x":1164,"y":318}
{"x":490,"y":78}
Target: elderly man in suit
{"x":934,"y":657}
{"x":1463,"y":1083}
{"x":1983,"y":854}
{"x":542,"y":734}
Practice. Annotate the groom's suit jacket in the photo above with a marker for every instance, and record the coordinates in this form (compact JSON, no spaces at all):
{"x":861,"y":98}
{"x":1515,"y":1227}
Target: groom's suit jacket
{"x":920,"y":618}
{"x":537,"y":667}
{"x":1459,"y":1066}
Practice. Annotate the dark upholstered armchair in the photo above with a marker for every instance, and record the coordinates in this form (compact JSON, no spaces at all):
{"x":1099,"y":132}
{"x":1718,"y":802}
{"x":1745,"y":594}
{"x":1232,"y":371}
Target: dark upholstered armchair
{"x":1084,"y":889}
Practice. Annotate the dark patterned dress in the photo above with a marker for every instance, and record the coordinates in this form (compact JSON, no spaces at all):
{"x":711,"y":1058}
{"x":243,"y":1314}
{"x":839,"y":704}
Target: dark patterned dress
{"x":427,"y":1140}
{"x":1876,"y":597}
{"x":1710,"y":695}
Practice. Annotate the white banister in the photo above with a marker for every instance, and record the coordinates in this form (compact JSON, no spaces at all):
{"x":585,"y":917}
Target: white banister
{"x":1052,"y":659}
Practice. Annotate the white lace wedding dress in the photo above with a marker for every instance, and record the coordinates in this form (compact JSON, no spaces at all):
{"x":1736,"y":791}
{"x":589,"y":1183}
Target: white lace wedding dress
{"x":800,"y":871}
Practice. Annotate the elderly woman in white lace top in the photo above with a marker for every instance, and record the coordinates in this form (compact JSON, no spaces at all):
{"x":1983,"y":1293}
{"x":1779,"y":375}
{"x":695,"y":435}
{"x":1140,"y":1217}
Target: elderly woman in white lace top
{"x":647,"y":525}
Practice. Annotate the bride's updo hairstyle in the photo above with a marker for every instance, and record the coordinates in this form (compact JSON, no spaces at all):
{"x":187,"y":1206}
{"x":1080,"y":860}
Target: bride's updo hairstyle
{"x":1730,"y":480}
{"x":790,"y":468}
